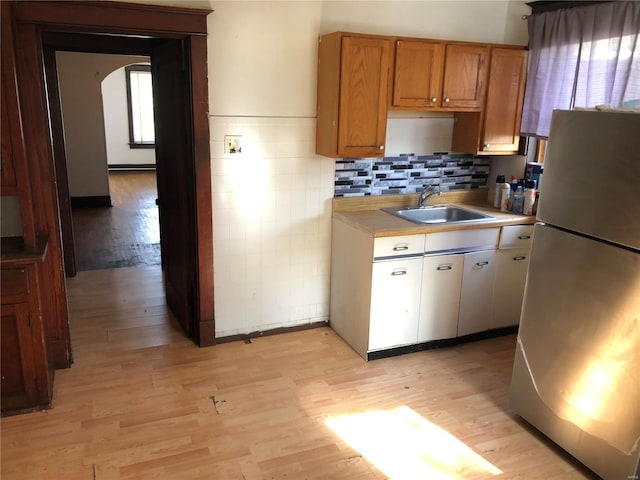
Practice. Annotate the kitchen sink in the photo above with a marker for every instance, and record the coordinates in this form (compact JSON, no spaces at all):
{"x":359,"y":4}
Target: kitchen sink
{"x":438,"y":214}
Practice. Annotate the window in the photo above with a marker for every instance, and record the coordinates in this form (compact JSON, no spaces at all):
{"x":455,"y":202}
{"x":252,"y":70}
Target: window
{"x":140,"y":104}
{"x":579,"y":58}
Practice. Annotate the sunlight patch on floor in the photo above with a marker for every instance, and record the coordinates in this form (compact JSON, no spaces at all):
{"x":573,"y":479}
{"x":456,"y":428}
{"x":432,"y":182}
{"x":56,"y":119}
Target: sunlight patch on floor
{"x":405,"y":446}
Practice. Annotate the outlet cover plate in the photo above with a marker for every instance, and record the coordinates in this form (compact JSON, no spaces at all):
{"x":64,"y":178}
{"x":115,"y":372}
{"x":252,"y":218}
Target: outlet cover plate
{"x":233,"y":144}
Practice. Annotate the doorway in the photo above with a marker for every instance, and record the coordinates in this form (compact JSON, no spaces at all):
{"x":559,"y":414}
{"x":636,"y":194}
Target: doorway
{"x":106,"y":102}
{"x":176,"y":39}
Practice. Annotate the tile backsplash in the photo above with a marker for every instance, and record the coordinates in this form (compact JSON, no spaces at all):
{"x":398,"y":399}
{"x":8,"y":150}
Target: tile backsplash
{"x":410,"y":173}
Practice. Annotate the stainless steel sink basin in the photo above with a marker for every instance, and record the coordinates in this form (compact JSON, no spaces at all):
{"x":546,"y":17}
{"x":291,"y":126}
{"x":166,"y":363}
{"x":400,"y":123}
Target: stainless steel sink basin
{"x":438,"y":214}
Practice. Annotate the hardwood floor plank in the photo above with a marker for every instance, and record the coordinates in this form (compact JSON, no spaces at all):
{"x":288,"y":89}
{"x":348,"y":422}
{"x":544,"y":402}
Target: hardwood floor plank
{"x":254,"y":411}
{"x":124,"y":235}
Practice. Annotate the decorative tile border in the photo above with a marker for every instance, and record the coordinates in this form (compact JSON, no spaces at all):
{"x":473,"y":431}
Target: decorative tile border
{"x":410,"y":174}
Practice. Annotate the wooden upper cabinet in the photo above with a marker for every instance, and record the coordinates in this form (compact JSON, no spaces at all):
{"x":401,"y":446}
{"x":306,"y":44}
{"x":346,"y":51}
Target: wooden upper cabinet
{"x":465,"y":76}
{"x":352,"y":95}
{"x":496,"y":130}
{"x":505,"y":96}
{"x":418,"y":68}
{"x":432,"y":75}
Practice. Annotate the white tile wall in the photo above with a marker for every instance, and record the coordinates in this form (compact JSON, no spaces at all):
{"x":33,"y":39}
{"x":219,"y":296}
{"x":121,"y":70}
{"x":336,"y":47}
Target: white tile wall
{"x":272,"y":225}
{"x":420,"y":135}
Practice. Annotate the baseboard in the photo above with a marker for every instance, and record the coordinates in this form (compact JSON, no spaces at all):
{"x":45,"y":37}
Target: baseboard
{"x":419,"y":347}
{"x":246,"y":337}
{"x":91,"y":202}
{"x":132,"y":167}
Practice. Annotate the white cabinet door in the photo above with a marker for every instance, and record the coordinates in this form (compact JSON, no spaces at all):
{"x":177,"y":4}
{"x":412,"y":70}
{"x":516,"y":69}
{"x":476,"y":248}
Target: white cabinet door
{"x":477,"y":292}
{"x":440,"y":297}
{"x":395,"y":300}
{"x":508,"y":289}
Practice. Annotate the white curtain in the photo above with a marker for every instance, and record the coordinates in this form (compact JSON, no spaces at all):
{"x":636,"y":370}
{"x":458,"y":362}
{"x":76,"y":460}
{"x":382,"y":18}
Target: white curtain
{"x":581,"y":57}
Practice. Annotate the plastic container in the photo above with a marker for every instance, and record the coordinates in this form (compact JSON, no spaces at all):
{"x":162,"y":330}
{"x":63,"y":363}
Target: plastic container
{"x":518,"y":201}
{"x":505,"y":197}
{"x":497,"y":193}
{"x":514,"y":186}
{"x":529,"y":197}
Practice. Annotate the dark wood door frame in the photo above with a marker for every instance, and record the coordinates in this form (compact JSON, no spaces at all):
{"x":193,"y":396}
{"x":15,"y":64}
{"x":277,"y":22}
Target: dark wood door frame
{"x":38,"y":27}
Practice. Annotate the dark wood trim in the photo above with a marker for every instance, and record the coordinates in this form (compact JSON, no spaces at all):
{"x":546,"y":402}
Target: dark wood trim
{"x":88,"y":43}
{"x":60,"y":161}
{"x":135,"y":146}
{"x":551,"y":5}
{"x":34,"y":111}
{"x":96,"y":201}
{"x":127,"y":75}
{"x":114,"y":17}
{"x":16,"y":253}
{"x":42,"y":22}
{"x":274,"y":331}
{"x":202,"y":177}
{"x":14,"y":126}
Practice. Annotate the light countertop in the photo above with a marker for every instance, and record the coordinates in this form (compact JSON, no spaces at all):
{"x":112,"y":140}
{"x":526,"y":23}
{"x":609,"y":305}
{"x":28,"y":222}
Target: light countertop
{"x":366,"y":214}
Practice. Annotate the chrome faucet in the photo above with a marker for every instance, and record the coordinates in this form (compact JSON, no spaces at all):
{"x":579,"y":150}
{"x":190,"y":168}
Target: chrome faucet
{"x":427,"y":192}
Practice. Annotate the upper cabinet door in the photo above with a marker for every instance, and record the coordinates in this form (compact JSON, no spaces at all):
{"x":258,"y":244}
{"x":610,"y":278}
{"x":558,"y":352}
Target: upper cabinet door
{"x":465,"y":75}
{"x":362,"y":119}
{"x":505,"y":95}
{"x":417,"y":80}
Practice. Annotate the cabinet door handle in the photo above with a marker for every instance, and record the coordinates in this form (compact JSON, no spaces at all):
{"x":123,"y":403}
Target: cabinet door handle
{"x":400,"y":248}
{"x":381,"y":147}
{"x":434,"y":100}
{"x":444,"y":267}
{"x":524,"y":237}
{"x":447,"y":99}
{"x":395,"y":273}
{"x":482,"y":264}
{"x":487,"y":145}
{"x":519,"y":257}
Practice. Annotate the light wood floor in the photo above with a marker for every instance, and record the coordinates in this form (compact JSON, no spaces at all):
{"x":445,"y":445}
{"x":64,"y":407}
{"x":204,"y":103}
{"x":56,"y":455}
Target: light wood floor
{"x":142,"y":402}
{"x":124,"y":235}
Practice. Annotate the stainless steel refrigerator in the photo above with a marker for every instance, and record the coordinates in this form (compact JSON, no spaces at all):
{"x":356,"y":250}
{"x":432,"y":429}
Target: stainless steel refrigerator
{"x":576,"y":374}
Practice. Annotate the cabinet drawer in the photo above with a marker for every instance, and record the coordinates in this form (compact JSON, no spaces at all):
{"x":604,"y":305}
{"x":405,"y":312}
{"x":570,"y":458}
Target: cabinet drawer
{"x":461,"y":240}
{"x":13,"y":282}
{"x":516,"y":236}
{"x":398,"y":246}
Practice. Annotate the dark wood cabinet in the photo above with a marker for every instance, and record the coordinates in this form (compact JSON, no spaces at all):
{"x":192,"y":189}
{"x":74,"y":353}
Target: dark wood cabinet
{"x":7,"y":167}
{"x":27,"y":318}
{"x":496,"y":130}
{"x":353,"y":75}
{"x":26,"y":373}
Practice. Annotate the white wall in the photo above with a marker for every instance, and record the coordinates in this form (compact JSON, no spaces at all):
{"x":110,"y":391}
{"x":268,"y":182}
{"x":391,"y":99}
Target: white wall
{"x":272,"y":227}
{"x":80,"y":76}
{"x":116,"y":123}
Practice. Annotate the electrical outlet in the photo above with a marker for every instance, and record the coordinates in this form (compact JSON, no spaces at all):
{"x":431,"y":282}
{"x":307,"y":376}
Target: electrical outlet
{"x":233,"y":144}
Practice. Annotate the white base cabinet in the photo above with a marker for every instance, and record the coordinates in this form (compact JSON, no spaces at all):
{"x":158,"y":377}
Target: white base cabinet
{"x":440,"y":297}
{"x":508,"y":290}
{"x":387,"y":292}
{"x":477,"y":291}
{"x":395,"y":303}
{"x":512,"y":265}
